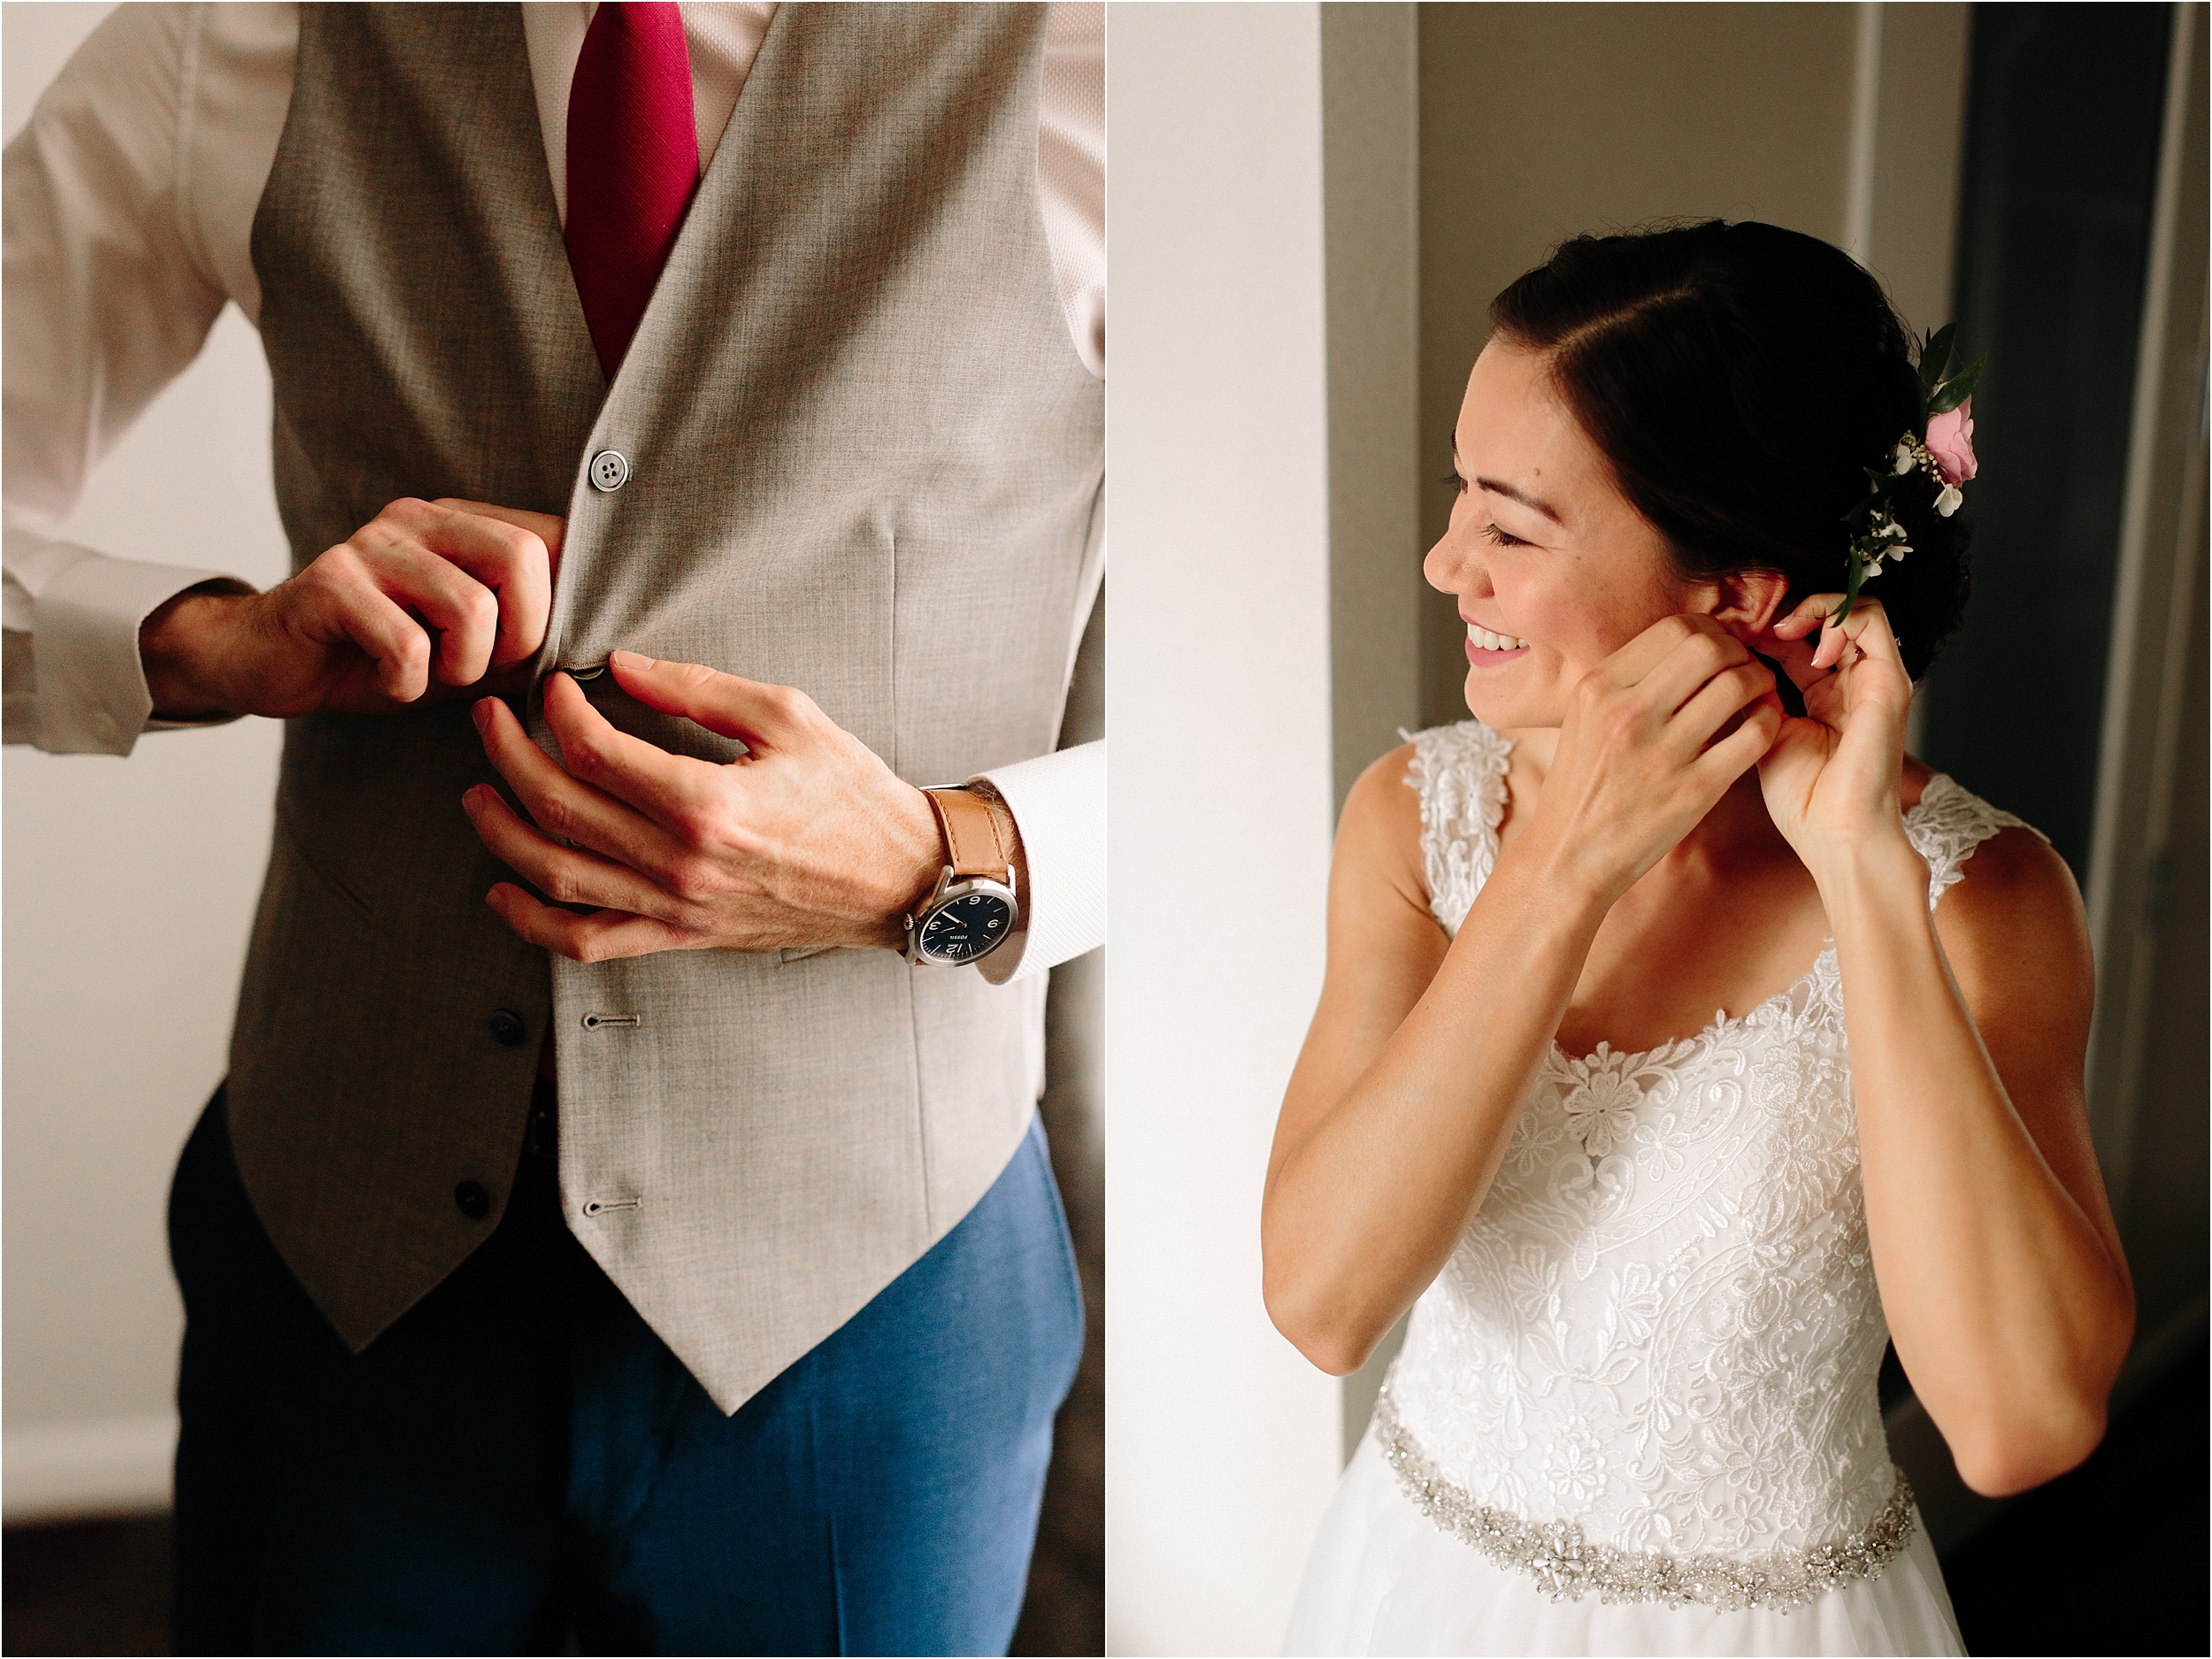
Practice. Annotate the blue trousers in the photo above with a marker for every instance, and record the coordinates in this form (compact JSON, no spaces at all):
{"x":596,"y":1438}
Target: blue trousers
{"x":520,"y":1461}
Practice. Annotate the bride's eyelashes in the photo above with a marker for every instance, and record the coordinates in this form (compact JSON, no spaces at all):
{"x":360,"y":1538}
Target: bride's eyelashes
{"x":1490,"y":532}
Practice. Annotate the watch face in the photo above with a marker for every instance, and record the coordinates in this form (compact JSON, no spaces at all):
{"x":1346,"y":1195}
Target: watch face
{"x":966,"y":926}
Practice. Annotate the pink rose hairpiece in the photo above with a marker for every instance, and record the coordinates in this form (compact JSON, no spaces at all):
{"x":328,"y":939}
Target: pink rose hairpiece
{"x":1942,"y":450}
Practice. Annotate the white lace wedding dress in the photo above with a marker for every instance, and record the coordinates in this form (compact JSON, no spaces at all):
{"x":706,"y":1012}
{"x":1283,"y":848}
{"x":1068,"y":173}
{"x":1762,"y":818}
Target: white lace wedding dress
{"x":1636,"y":1412}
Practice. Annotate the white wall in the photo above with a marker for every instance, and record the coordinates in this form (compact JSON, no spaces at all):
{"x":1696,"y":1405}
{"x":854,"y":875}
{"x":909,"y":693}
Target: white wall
{"x":128,"y":888}
{"x":1223,"y":1443}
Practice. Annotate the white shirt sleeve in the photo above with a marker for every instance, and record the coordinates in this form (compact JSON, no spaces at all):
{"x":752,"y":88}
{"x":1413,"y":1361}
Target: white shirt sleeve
{"x":81,"y":612}
{"x":1059,"y":802}
{"x":1072,"y":170}
{"x":111,"y":284}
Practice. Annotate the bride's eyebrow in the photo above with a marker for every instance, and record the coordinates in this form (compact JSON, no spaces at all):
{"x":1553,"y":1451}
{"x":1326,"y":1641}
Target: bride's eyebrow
{"x":1510,"y":491}
{"x":1515,"y":493}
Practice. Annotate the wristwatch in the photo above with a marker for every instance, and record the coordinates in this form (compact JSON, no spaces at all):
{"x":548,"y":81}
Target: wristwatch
{"x":972,"y":911}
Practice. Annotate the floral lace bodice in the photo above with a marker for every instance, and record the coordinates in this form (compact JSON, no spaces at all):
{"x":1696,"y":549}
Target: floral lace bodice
{"x":1662,"y":1323}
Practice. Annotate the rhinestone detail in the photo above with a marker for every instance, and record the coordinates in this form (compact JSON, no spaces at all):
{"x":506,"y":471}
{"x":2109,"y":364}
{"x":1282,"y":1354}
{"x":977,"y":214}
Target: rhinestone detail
{"x":1567,"y":1566}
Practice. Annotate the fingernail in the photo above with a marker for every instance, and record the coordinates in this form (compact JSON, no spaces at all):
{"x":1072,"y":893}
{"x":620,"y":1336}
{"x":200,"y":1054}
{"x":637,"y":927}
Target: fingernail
{"x":628,"y":659}
{"x":481,"y":713}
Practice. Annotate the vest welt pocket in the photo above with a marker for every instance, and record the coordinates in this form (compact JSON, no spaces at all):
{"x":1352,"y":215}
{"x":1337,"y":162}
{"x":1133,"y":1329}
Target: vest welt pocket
{"x":786,"y":957}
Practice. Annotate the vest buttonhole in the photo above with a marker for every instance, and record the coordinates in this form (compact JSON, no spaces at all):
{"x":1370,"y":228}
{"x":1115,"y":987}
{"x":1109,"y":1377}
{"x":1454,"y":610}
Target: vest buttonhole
{"x":593,"y":1022}
{"x":600,"y":1206}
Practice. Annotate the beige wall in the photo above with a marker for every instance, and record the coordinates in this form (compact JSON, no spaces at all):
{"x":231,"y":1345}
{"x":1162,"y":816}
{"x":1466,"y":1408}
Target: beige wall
{"x":129,"y":886}
{"x":1371,"y":192}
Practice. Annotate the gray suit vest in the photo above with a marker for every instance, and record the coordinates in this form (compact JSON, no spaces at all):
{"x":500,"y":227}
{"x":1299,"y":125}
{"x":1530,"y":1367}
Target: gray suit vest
{"x":865,"y":461}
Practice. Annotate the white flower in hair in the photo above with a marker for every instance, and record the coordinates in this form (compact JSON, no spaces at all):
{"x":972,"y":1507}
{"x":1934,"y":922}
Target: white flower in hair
{"x":1904,"y":457}
{"x":1948,"y":500}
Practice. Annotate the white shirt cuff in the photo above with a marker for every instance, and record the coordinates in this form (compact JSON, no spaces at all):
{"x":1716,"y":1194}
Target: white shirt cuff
{"x":89,"y":685}
{"x":1059,"y":805}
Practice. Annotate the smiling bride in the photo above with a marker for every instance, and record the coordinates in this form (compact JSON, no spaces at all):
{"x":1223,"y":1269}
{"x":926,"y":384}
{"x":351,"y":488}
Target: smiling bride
{"x":1683,"y":1038}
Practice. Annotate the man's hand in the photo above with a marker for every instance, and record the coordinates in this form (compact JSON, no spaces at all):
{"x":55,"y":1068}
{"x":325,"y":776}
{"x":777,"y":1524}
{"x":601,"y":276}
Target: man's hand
{"x":418,"y":602}
{"x":808,"y":840}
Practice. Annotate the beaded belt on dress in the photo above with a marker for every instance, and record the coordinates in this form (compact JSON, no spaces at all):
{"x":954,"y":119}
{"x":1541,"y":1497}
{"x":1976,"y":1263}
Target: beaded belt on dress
{"x":1561,"y":1561}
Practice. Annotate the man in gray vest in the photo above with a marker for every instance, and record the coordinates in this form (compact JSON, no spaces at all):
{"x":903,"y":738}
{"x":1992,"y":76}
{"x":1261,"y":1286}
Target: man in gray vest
{"x":625,"y":1207}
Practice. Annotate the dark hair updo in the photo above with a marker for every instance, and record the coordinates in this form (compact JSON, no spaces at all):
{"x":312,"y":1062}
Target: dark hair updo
{"x":1740,"y":379}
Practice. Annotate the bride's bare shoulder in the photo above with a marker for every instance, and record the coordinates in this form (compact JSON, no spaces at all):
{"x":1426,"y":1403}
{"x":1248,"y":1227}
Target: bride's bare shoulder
{"x":1382,"y":811}
{"x":1378,"y":835}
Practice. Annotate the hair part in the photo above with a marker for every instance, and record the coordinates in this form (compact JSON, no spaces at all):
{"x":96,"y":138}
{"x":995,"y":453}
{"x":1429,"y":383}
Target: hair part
{"x":1739,"y":380}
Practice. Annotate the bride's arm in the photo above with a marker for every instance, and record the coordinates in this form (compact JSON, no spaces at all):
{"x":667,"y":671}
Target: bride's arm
{"x":1412,"y":1075}
{"x":1999,"y":1266}
{"x":1419,"y":1058}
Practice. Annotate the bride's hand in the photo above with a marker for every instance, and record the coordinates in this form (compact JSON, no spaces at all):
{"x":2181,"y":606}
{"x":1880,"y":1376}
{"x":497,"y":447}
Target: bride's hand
{"x":1653,"y":737}
{"x":1831,"y":780}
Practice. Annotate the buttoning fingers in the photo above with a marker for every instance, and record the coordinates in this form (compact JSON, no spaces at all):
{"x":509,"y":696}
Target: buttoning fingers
{"x":599,"y":937}
{"x":568,"y":875}
{"x":563,"y":804}
{"x":394,"y":641}
{"x":665,"y":789}
{"x":759,"y":714}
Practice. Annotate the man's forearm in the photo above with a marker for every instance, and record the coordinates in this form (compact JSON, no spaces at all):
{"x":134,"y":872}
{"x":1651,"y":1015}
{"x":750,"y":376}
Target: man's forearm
{"x":180,"y":651}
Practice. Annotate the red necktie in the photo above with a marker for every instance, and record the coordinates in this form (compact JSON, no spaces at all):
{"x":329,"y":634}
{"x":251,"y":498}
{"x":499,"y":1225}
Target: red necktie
{"x":632,"y":164}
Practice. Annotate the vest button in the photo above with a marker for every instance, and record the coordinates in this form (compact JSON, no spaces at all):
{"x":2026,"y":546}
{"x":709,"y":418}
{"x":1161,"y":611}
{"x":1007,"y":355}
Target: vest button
{"x":507,"y":1025}
{"x":609,"y":471}
{"x":475,"y":1203}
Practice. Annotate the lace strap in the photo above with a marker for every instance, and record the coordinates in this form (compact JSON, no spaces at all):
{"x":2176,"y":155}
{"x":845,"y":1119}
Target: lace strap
{"x":1945,"y":826}
{"x":1459,"y":772}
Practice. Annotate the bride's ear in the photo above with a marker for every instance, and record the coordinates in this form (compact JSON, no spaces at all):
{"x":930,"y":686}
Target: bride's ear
{"x":1749,"y":603}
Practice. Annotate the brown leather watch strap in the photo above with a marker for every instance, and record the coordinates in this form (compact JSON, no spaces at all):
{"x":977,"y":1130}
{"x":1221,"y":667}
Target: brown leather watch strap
{"x":973,"y":846}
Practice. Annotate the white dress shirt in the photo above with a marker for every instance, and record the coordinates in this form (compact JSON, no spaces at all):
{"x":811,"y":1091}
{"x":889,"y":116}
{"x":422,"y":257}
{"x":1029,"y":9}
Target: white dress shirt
{"x":129,"y":200}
